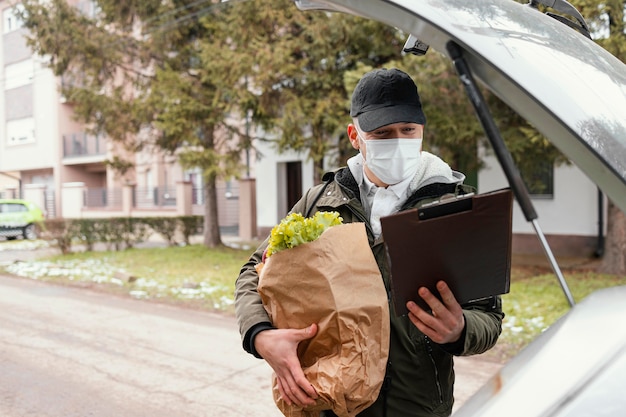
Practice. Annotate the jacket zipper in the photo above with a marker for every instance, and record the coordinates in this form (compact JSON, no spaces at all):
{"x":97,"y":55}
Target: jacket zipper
{"x":429,"y":348}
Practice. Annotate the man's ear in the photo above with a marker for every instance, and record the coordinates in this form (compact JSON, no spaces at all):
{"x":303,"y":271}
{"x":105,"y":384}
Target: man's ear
{"x":353,"y":135}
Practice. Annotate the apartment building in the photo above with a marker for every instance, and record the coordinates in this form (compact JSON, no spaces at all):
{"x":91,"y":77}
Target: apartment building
{"x":41,"y":146}
{"x":49,"y":158}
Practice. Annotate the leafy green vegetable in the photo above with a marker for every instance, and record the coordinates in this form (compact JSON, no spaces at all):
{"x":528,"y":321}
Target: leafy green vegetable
{"x":295,"y":230}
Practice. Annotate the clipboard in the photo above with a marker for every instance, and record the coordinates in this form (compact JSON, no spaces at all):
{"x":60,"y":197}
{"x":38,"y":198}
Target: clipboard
{"x":464,"y":241}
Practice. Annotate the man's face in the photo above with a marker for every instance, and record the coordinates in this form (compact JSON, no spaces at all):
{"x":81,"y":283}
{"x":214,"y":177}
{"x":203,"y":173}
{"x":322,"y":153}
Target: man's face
{"x":392,"y":131}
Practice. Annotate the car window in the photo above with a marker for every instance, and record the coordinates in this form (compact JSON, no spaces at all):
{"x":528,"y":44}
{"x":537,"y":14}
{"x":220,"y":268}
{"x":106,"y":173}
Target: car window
{"x":15,"y":208}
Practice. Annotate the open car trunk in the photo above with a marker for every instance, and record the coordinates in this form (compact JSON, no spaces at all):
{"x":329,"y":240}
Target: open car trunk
{"x":573,"y":91}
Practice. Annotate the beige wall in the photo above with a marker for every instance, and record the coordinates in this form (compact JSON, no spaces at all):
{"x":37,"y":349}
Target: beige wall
{"x":31,"y":177}
{"x":72,"y":196}
{"x":9,"y":180}
{"x":71,"y":173}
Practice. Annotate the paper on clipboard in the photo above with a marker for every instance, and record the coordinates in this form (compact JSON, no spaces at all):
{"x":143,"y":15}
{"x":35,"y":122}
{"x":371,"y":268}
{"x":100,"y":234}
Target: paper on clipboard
{"x":465,"y":242}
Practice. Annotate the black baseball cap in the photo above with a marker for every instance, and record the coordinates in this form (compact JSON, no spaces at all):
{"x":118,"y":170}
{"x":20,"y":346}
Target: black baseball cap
{"x":386,"y":96}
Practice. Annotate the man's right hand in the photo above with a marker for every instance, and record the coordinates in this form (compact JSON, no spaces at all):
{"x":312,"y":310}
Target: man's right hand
{"x":279,"y":347}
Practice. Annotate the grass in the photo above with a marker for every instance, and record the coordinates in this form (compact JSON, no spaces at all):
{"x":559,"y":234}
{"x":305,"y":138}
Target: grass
{"x":536,"y":301}
{"x":190,"y":275}
{"x":197,"y":277}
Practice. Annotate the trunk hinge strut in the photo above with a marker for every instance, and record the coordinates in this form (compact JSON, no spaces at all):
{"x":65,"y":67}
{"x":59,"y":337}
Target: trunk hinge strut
{"x":504,"y":157}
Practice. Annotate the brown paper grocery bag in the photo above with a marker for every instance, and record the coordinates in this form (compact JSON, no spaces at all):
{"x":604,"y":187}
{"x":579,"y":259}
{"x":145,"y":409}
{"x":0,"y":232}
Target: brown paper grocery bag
{"x":334,"y":282}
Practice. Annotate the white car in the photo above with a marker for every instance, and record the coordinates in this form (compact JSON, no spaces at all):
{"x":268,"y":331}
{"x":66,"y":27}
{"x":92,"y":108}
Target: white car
{"x":574,"y":92}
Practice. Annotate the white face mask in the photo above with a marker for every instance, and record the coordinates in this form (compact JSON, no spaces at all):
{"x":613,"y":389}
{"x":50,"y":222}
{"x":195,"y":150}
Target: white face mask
{"x":393,"y":160}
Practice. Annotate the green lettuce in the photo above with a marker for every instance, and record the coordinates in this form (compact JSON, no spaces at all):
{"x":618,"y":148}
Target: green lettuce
{"x":295,"y":229}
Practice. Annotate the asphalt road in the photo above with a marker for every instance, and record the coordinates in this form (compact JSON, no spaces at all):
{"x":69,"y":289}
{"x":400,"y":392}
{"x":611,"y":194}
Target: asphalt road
{"x":67,"y":351}
{"x":73,"y":352}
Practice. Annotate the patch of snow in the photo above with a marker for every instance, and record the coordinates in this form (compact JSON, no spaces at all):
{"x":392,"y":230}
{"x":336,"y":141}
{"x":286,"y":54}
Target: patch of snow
{"x":101,"y":272}
{"x":23,"y":245}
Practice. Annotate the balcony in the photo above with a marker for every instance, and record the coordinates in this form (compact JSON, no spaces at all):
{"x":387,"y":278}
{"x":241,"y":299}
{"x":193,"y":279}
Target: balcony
{"x":81,"y":148}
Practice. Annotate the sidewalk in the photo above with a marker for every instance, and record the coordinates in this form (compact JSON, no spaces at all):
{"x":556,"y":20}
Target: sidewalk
{"x":472,"y":372}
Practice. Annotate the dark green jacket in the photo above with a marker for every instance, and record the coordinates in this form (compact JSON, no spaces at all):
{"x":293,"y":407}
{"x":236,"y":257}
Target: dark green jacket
{"x":420,"y":375}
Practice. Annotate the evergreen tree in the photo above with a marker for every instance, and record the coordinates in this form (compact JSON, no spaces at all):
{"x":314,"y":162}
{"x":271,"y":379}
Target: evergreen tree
{"x":297,"y":62}
{"x":136,"y":74}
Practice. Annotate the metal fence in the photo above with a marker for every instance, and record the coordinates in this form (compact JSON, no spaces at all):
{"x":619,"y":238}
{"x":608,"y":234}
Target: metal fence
{"x":10,"y":194}
{"x":227,"y":206}
{"x":150,"y":197}
{"x":165,"y":198}
{"x":103,"y":198}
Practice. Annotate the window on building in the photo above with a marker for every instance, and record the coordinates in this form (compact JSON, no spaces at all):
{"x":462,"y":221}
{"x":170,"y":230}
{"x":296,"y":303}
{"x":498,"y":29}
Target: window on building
{"x":20,"y":131}
{"x":147,"y":179}
{"x":231,"y":190}
{"x":540,"y":180}
{"x":195,"y":177}
{"x":89,"y":8}
{"x":10,"y":20}
{"x":18,"y":74}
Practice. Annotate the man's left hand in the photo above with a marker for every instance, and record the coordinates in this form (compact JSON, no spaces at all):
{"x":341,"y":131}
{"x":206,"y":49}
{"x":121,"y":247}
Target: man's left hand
{"x":445,"y":323}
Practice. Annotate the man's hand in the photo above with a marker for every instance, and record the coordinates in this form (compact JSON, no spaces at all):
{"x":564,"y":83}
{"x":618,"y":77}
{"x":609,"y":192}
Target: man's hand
{"x":446,"y":322}
{"x":279,"y":348}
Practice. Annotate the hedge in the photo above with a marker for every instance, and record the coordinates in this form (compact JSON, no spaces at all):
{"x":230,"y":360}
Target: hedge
{"x":119,"y":232}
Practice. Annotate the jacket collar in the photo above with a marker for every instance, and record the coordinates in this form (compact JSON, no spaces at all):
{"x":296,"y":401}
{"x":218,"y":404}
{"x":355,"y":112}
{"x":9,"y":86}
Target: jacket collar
{"x":346,"y":181}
